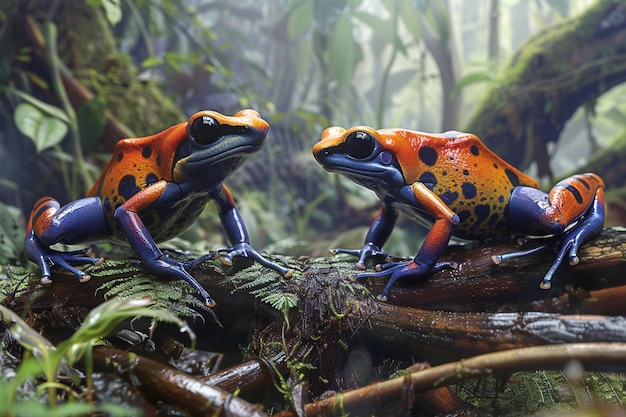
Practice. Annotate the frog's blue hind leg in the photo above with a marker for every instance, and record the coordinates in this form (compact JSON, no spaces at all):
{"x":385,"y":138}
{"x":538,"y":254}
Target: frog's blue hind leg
{"x":77,"y":222}
{"x":573,"y":212}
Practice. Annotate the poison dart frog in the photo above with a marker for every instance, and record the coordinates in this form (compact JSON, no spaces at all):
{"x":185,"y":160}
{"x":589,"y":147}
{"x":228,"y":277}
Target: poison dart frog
{"x":152,"y":189}
{"x":457,"y":186}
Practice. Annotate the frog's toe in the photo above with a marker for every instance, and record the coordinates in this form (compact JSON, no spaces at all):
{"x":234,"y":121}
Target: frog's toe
{"x":382,"y":298}
{"x":195,"y":262}
{"x":46,"y":280}
{"x":337,"y":251}
{"x":497,"y":259}
{"x":84,"y":278}
{"x":360,"y":266}
{"x":388,"y":265}
{"x":226,"y":260}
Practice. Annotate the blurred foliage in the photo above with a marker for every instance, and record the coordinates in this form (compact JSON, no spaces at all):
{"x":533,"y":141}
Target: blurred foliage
{"x":304,"y":64}
{"x":546,"y":393}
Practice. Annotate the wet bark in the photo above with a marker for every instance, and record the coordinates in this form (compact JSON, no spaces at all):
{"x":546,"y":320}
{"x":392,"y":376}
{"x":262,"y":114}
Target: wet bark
{"x":337,"y":326}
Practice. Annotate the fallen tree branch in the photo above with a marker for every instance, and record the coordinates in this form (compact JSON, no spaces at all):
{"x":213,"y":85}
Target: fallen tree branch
{"x":372,"y":397}
{"x":162,"y":383}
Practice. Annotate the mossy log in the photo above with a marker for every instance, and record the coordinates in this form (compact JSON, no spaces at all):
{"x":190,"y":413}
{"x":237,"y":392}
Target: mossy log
{"x":326,"y":327}
{"x":553,"y":74}
{"x":478,"y":306}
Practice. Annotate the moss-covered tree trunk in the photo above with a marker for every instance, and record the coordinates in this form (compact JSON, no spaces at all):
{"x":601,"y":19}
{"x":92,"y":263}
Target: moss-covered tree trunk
{"x":553,"y":74}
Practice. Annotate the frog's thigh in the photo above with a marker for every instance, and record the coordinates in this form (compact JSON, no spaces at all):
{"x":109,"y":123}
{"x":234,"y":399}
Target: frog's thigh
{"x":535,"y":212}
{"x":80,"y":221}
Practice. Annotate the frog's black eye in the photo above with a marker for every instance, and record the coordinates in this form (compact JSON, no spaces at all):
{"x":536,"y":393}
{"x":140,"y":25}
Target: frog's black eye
{"x":359,"y":145}
{"x":205,"y":130}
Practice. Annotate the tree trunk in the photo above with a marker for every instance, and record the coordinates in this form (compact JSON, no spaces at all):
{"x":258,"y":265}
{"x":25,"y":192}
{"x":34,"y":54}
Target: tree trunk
{"x":551,"y":76}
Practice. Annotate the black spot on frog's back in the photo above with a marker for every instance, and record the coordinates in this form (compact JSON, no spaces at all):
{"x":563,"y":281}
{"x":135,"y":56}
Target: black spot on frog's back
{"x":512,"y":177}
{"x":481,"y":211}
{"x":128,"y":187}
{"x":151,"y":179}
{"x":469,"y":190}
{"x":428,"y":179}
{"x":428,"y":155}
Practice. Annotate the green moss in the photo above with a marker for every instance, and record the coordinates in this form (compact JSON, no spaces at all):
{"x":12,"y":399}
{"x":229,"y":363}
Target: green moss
{"x":542,"y":393}
{"x":140,"y":106}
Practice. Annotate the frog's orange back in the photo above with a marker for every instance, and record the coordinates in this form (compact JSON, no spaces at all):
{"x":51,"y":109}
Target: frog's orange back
{"x":137,"y":163}
{"x":472,"y":180}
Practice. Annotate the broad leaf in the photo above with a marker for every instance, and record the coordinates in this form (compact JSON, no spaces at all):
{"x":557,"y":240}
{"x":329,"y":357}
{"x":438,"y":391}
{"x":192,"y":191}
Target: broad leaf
{"x":44,"y":130}
{"x":112,"y":10}
{"x":344,"y":52}
{"x":300,"y":19}
{"x":11,"y":234}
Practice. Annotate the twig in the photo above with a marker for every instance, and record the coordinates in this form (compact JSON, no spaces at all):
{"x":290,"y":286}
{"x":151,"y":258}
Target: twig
{"x":590,"y":355}
{"x":161,"y":383}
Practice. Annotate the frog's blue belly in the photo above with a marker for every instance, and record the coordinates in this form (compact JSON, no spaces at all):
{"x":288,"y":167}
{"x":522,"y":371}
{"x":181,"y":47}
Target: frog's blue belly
{"x":477,"y":222}
{"x":167,"y":222}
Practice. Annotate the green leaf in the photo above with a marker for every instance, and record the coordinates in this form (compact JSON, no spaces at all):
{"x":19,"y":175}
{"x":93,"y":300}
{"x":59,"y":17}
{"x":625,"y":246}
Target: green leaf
{"x":11,"y":234}
{"x":410,"y":16}
{"x":281,"y":301}
{"x":152,"y":61}
{"x":344,"y":52}
{"x":38,"y":345}
{"x":49,"y":109}
{"x":44,"y":130}
{"x":91,"y":122}
{"x":103,"y":319}
{"x":471,"y":78}
{"x":112,"y":10}
{"x":381,"y":28}
{"x":300,"y":19}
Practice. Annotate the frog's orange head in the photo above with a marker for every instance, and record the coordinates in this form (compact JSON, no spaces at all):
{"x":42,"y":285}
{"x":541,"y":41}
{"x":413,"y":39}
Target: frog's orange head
{"x":358,"y":153}
{"x":217,"y":143}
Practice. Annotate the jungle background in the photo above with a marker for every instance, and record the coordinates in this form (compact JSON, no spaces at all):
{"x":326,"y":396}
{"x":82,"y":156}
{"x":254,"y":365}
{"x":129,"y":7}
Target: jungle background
{"x":539,"y":81}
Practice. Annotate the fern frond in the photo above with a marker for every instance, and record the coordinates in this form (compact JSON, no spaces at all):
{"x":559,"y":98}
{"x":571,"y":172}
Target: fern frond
{"x":167,"y":295}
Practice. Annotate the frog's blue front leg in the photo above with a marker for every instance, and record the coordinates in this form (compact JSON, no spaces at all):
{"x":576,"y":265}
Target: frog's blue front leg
{"x":237,"y":233}
{"x":376,"y":237}
{"x":152,"y":259}
{"x":80,"y":221}
{"x":425,"y":261}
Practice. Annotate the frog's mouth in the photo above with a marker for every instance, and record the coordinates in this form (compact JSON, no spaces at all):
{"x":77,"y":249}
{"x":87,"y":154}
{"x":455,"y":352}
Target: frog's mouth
{"x":370,"y":174}
{"x":228,"y":146}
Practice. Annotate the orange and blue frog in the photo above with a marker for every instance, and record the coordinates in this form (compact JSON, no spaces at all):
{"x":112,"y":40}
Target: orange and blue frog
{"x":153,"y":189}
{"x":456,"y":186}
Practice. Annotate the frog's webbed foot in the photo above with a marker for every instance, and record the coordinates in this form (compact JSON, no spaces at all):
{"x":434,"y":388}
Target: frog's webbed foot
{"x":398,"y":270}
{"x":369,"y":251}
{"x":566,"y":245}
{"x":164,"y":266}
{"x":46,"y":258}
{"x":244,"y":250}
